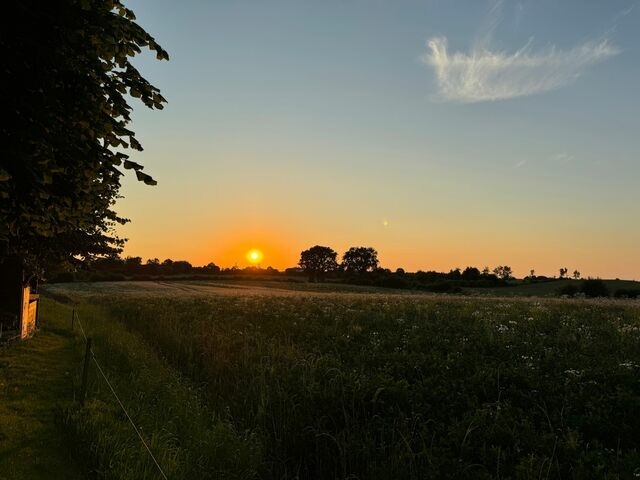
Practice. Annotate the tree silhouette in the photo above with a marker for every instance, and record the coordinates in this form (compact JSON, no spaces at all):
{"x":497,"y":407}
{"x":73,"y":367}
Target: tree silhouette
{"x":211,"y":268}
{"x":360,"y":260}
{"x":318,"y":261}
{"x":471,"y":273}
{"x":563,"y":272}
{"x":576,"y":274}
{"x":503,"y":271}
{"x":454,"y":273}
{"x":67,"y":75}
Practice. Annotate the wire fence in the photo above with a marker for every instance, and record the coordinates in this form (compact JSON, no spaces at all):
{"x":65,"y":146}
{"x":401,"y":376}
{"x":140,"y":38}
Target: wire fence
{"x":90,"y":354}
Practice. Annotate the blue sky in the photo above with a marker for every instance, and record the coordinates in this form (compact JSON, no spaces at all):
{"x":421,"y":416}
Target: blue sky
{"x":442,"y":133}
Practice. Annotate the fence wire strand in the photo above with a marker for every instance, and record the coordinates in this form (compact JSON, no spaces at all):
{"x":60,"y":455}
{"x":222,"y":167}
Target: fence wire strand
{"x":113,"y":391}
{"x":80,"y":324}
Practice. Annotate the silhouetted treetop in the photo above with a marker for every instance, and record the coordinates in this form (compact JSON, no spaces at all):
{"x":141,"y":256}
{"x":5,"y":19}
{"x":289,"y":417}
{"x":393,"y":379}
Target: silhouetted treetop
{"x":68,"y":78}
{"x":317,"y":261}
{"x":503,"y":271}
{"x":360,"y":260}
{"x":471,"y":273}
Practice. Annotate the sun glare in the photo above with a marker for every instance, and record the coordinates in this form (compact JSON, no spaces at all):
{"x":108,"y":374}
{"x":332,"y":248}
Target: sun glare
{"x":254,"y":256}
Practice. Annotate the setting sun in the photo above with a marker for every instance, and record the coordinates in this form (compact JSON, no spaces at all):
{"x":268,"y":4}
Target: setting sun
{"x":254,"y":256}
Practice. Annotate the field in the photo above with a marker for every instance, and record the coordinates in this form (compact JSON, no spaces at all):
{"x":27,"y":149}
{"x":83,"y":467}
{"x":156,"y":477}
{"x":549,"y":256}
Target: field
{"x":550,"y":288}
{"x":316,"y":382}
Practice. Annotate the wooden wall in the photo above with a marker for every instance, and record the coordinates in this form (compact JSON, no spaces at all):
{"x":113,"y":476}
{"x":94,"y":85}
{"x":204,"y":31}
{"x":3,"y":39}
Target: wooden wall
{"x":18,"y":306}
{"x":28,"y":314}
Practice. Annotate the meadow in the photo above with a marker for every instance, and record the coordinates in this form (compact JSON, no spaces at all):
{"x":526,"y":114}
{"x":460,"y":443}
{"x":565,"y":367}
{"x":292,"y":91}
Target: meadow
{"x":309,"y":382}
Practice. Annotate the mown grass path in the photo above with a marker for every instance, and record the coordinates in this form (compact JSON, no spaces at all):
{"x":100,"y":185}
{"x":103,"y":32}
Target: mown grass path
{"x":35,"y":384}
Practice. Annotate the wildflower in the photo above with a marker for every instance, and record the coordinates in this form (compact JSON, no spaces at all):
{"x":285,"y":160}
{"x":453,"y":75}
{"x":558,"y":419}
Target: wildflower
{"x":628,"y":364}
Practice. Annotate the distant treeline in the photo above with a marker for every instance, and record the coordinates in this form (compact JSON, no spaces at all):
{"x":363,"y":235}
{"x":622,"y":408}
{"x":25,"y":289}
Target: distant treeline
{"x":357,"y":273}
{"x":133,"y":268}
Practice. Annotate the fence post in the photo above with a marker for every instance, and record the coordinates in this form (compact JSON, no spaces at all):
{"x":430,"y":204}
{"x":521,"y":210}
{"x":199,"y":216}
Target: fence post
{"x":73,"y":317}
{"x":85,"y":372}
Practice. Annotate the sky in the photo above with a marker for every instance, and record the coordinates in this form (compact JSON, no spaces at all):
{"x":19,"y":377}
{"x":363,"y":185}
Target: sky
{"x":441,"y":133}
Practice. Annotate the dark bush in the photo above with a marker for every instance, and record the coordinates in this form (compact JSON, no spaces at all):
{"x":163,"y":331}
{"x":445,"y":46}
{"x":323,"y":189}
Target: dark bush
{"x":594,"y":287}
{"x":569,"y":290}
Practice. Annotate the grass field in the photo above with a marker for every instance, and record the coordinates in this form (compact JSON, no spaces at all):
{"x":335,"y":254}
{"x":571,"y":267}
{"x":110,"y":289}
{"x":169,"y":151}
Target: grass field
{"x":259,"y":381}
{"x":550,"y":288}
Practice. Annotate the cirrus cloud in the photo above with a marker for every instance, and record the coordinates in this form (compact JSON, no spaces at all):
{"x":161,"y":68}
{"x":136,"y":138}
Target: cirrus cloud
{"x":483,"y":75}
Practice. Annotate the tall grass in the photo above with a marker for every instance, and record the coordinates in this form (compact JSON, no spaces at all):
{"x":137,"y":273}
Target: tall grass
{"x":189,"y":440}
{"x":381,"y":387}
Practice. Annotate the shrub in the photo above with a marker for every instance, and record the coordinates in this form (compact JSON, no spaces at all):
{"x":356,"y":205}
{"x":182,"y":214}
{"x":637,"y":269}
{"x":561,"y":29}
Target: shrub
{"x":569,"y":290}
{"x":594,"y":287}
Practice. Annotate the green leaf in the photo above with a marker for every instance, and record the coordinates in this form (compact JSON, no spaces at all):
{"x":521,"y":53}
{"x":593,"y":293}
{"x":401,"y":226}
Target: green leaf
{"x":147,"y":179}
{"x":135,"y":144}
{"x":128,"y":164}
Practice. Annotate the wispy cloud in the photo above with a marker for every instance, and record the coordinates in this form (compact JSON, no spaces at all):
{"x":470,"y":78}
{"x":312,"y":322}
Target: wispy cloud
{"x":562,"y":157}
{"x":490,"y":24}
{"x":520,"y":164}
{"x":623,"y":13}
{"x":484,"y":75}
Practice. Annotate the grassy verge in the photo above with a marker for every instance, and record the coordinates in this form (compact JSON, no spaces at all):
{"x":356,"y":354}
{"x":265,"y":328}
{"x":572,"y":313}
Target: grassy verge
{"x":188,"y":440}
{"x":36,"y":384}
{"x":45,"y":434}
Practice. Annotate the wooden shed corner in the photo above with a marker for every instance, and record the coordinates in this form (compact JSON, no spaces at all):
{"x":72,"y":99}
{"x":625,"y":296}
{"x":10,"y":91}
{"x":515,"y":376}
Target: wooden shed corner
{"x":19,"y":301}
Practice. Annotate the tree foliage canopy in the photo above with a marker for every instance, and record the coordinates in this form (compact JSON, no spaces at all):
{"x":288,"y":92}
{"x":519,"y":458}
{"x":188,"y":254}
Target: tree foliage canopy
{"x":318,"y":260}
{"x":68,"y":78}
{"x":503,"y":271}
{"x":360,"y":259}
